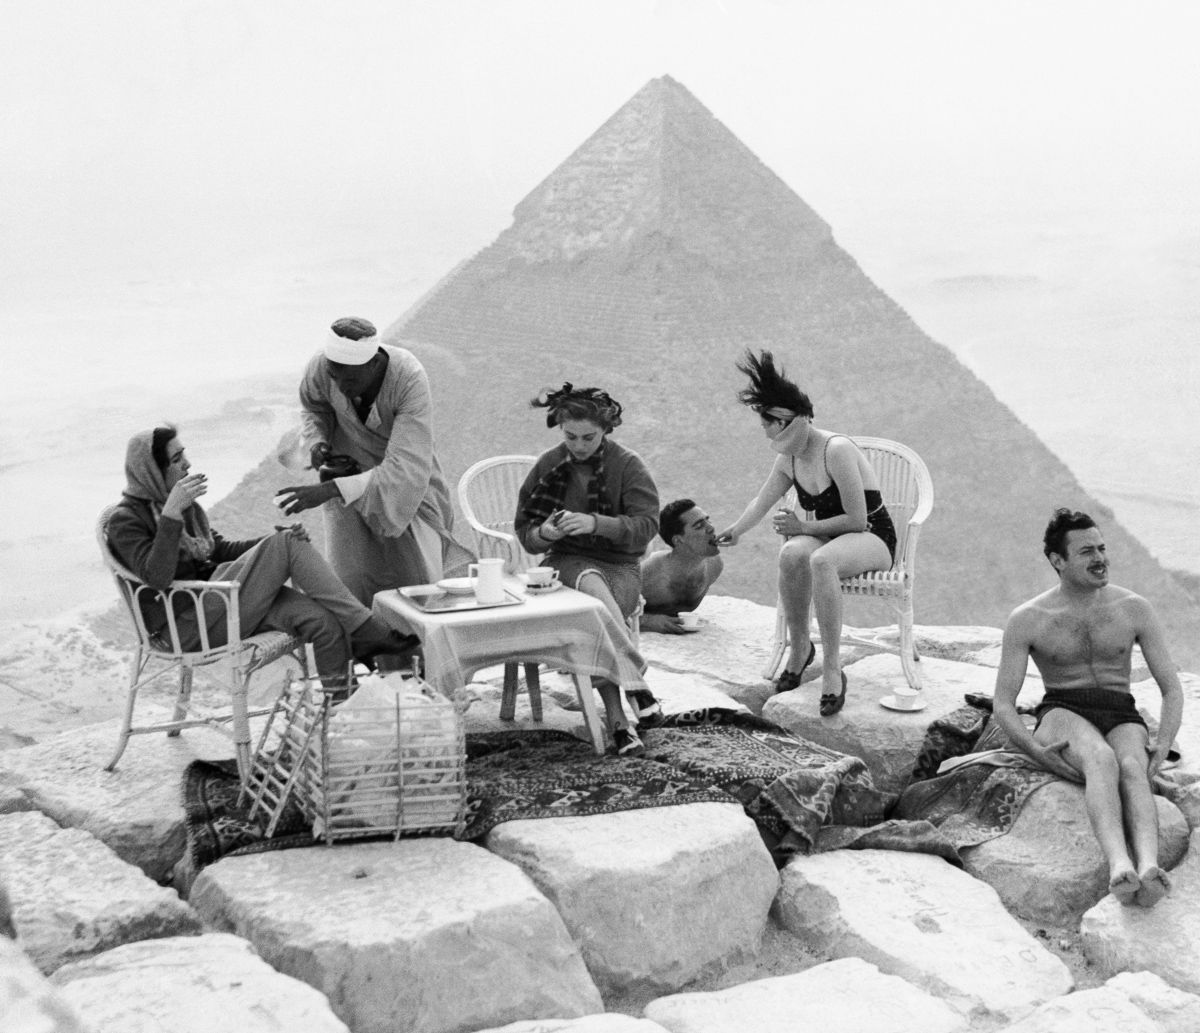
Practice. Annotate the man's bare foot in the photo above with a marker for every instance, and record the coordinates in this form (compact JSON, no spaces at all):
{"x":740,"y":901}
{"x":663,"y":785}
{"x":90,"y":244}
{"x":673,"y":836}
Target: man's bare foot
{"x":1155,"y":886}
{"x":1124,"y":886}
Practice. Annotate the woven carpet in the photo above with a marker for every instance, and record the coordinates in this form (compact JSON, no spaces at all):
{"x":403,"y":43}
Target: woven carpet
{"x":790,"y":787}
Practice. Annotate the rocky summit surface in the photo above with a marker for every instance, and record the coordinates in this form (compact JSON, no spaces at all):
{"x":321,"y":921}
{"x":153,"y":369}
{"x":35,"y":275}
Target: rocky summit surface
{"x":666,"y":919}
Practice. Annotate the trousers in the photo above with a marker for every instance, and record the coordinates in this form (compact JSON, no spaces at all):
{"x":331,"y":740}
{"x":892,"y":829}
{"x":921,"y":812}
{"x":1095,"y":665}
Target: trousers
{"x":316,"y":608}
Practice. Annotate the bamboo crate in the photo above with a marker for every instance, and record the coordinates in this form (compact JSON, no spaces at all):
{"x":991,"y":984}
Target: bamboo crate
{"x":363,"y":770}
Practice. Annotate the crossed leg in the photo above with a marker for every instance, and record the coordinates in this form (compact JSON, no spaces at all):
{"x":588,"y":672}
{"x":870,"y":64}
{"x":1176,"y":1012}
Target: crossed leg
{"x":810,"y":574}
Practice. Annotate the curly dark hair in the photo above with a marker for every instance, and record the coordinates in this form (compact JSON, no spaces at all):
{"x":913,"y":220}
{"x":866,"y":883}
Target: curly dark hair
{"x":1063,"y":521}
{"x":579,"y":403}
{"x":769,"y":387}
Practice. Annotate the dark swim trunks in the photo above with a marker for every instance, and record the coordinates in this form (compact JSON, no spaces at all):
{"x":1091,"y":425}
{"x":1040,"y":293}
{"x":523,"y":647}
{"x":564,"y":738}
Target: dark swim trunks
{"x":1104,"y":708}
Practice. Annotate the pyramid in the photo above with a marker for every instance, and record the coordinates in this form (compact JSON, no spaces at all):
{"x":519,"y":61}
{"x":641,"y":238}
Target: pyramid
{"x":646,"y":263}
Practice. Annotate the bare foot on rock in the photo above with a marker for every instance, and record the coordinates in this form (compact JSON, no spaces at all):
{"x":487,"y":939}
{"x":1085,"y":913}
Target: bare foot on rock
{"x":1155,"y":886}
{"x":1125,"y":886}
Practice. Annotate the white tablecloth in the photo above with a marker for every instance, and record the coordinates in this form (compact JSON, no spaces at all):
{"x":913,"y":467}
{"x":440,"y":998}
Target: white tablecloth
{"x":564,"y":629}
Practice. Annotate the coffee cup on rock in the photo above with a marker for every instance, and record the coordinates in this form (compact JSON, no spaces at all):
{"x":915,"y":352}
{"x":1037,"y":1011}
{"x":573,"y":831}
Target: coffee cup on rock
{"x":689,"y":619}
{"x":541,"y":577}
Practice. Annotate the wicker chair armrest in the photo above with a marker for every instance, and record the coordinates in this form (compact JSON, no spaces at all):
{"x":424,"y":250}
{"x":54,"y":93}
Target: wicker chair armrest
{"x":508,"y":540}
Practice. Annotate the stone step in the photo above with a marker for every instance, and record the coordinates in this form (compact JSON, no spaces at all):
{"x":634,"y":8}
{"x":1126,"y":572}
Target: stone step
{"x":425,"y":935}
{"x":887,"y":740}
{"x":609,"y":1022}
{"x":213,"y":983}
{"x":1049,"y":867}
{"x":918,"y":917}
{"x":844,"y":996}
{"x":655,"y":898}
{"x":72,"y":897}
{"x":28,"y":1001}
{"x":1164,"y":939}
{"x":1133,"y":1002}
{"x":136,"y":809}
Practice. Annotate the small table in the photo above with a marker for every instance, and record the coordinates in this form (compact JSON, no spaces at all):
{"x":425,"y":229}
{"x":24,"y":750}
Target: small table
{"x":566,"y":629}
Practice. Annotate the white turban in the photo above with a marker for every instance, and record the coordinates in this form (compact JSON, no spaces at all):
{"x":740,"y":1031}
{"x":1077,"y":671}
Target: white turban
{"x":348,"y":352}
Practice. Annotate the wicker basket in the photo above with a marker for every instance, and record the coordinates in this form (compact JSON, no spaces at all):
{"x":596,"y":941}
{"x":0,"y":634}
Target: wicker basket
{"x":388,"y":761}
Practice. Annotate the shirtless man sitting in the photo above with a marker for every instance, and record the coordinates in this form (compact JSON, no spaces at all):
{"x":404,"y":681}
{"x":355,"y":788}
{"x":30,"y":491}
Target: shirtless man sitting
{"x":675,"y":580}
{"x":1081,"y":636}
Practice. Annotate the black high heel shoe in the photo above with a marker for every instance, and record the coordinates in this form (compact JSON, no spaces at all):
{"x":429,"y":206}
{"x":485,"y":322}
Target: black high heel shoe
{"x":831,"y":704}
{"x":791,"y":679}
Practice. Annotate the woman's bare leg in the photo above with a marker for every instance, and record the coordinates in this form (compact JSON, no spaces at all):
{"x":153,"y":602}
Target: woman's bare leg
{"x":795,"y":595}
{"x":844,"y":556}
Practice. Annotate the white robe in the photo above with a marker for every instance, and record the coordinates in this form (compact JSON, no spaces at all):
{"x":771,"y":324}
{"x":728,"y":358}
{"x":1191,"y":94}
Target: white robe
{"x":393,"y":525}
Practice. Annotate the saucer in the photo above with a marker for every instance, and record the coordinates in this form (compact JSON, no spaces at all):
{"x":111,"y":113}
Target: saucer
{"x":891,"y":703}
{"x":457,"y":585}
{"x":691,"y":631}
{"x":543,"y":589}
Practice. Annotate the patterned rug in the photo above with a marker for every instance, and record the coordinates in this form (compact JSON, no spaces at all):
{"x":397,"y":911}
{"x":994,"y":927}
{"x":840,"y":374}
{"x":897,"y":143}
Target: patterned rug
{"x":791,"y":788}
{"x":973,"y":802}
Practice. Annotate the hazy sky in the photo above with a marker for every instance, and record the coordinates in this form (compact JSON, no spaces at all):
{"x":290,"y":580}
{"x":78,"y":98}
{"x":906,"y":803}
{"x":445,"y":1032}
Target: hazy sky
{"x":193,"y":188}
{"x":138,"y":132}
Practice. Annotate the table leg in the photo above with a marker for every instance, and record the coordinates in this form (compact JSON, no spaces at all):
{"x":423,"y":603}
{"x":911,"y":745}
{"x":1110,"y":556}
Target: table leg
{"x":587,"y":700}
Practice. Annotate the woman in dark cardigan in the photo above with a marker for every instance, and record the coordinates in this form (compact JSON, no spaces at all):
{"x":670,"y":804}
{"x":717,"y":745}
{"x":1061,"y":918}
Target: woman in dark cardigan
{"x":591,"y":506}
{"x":161,"y":533}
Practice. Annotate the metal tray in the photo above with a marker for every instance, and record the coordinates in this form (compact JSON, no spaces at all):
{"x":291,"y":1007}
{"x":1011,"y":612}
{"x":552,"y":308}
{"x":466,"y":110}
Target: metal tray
{"x":432,"y":599}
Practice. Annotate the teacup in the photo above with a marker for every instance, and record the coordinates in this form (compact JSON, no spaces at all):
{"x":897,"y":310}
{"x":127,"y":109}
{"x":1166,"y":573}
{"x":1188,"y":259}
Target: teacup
{"x":906,"y":699}
{"x":541,"y":577}
{"x":689,"y":619}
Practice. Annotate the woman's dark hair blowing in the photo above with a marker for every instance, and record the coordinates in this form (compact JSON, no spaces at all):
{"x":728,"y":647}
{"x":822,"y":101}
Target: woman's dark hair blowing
{"x":769,"y":387}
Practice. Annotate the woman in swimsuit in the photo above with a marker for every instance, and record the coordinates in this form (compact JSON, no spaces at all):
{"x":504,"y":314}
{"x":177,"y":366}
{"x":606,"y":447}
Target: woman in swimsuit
{"x":845,"y":529}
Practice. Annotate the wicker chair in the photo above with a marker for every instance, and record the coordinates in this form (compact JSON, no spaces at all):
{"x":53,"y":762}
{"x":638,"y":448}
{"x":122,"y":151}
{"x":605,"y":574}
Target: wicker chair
{"x":245,"y":655}
{"x":907,"y":491}
{"x":487,"y":493}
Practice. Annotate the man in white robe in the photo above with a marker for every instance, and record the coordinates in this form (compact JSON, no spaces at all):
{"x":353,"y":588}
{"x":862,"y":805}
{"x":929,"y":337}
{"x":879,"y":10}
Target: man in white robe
{"x":391,"y":523}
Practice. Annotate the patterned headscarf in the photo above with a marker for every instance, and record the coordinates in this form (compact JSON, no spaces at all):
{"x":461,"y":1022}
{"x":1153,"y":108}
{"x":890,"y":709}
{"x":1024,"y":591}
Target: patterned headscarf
{"x":145,"y":481}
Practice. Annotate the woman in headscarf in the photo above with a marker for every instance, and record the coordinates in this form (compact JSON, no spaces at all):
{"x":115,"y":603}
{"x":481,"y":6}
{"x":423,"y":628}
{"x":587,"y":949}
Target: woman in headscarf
{"x":161,"y":533}
{"x":845,"y":528}
{"x":591,"y":506}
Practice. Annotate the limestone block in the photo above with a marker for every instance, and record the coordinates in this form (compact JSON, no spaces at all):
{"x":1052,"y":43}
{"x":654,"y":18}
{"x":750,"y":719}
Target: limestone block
{"x":947,"y":642}
{"x":845,"y":996}
{"x":1164,"y":939}
{"x":1149,"y":701}
{"x":13,"y":799}
{"x":422,"y":935}
{"x":654,"y":898}
{"x":28,"y":1003}
{"x":608,"y":1022}
{"x":73,"y":897}
{"x":917,"y":917}
{"x":681,"y":692}
{"x":1049,"y":867}
{"x":1187,"y":799}
{"x":1174,"y":1010}
{"x":887,"y":740}
{"x":1100,"y":1010}
{"x":136,"y":809}
{"x":213,"y":983}
{"x":728,"y":653}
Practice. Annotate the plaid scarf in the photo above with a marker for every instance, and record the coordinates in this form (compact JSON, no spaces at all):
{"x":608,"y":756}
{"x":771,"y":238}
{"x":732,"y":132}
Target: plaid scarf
{"x":551,"y":490}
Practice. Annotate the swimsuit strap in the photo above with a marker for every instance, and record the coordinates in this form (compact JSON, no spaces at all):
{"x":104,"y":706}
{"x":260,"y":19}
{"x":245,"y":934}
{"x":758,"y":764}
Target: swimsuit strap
{"x":825,"y":454}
